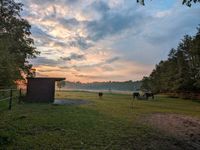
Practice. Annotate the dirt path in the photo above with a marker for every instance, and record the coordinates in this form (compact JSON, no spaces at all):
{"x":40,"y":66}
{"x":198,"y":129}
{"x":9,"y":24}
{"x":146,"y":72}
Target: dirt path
{"x":181,"y":127}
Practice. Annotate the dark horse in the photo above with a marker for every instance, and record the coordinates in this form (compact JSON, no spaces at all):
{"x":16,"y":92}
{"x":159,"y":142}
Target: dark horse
{"x":136,"y":95}
{"x":100,"y":94}
{"x":147,"y":95}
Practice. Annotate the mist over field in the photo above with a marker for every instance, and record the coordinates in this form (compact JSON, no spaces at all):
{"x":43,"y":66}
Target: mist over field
{"x":105,"y":86}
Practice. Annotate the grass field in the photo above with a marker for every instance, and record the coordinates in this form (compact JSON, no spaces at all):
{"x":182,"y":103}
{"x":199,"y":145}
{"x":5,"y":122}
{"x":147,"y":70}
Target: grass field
{"x":107,"y":123}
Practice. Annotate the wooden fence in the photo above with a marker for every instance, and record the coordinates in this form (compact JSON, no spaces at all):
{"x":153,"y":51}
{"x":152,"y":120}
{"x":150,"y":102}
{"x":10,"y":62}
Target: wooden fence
{"x":9,"y":95}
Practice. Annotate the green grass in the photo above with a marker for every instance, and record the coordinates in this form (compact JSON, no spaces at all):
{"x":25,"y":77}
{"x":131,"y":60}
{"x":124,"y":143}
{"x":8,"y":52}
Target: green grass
{"x":107,"y":123}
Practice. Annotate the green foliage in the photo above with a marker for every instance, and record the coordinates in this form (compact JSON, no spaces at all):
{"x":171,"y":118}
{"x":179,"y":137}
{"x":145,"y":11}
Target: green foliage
{"x":181,"y":71}
{"x":189,"y":3}
{"x":146,"y":83}
{"x":15,"y":43}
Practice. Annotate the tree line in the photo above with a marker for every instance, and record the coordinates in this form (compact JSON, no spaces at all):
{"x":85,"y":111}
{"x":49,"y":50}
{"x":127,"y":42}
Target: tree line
{"x":110,"y":85}
{"x":181,"y":71}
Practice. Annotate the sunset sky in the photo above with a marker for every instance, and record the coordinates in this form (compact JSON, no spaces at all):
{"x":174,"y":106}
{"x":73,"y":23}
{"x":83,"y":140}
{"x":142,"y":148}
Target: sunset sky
{"x":102,"y":40}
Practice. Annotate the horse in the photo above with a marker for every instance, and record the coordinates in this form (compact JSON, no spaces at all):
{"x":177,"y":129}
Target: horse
{"x":147,"y":95}
{"x":100,"y":94}
{"x":136,"y":95}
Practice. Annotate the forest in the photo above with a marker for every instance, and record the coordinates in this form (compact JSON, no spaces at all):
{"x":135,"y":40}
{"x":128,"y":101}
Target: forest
{"x":180,"y":73}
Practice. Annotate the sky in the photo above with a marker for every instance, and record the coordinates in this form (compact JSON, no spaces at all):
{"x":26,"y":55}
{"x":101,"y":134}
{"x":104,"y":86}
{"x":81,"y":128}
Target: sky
{"x":105,"y":40}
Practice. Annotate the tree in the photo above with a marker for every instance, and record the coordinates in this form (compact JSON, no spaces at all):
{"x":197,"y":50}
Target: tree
{"x":60,"y":84}
{"x":146,"y":85}
{"x":195,"y":59}
{"x":184,"y":2}
{"x":16,"y":46}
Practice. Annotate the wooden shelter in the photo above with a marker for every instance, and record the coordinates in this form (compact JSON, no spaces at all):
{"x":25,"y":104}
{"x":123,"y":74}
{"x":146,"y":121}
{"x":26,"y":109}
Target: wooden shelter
{"x":41,"y":89}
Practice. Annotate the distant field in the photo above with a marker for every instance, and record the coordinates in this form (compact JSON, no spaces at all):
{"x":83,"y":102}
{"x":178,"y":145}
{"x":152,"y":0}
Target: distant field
{"x":100,"y":90}
{"x":107,"y":123}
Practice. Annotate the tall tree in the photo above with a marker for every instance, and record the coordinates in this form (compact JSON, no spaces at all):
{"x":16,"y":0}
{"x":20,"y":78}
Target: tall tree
{"x":16,"y":46}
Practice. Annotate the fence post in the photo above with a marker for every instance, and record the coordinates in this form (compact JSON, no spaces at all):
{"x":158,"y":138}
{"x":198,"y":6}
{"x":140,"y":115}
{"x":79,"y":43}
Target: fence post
{"x":20,"y":95}
{"x":10,"y":101}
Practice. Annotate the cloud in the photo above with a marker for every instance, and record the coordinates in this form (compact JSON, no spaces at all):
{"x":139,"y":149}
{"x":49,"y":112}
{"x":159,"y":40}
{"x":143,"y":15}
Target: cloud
{"x":42,"y":38}
{"x":39,"y":32}
{"x":38,"y":74}
{"x":50,"y":2}
{"x":99,"y":64}
{"x":45,"y":61}
{"x":111,"y":22}
{"x":111,"y":60}
{"x":87,"y":38}
{"x":158,"y":35}
{"x":100,"y":6}
{"x":80,"y":42}
{"x":73,"y":56}
{"x":114,"y":21}
{"x":69,"y":23}
{"x":49,"y":70}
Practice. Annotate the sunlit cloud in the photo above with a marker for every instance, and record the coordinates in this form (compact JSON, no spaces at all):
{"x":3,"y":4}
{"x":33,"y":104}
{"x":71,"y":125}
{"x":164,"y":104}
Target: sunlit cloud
{"x":105,"y":40}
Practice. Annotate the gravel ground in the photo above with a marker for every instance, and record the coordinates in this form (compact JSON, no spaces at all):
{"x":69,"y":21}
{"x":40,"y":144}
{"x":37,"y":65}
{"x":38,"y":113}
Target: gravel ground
{"x":70,"y":102}
{"x":181,"y":127}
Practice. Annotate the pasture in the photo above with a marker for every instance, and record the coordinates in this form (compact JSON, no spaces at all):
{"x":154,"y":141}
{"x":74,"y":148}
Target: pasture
{"x":106,"y":123}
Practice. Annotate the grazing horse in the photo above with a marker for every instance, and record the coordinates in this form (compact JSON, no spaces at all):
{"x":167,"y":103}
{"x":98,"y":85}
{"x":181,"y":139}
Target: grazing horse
{"x":136,"y":95}
{"x":100,"y":94}
{"x":147,"y":95}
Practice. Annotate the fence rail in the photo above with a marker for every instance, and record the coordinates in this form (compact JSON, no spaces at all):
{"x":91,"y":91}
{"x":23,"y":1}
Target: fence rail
{"x":11,"y":96}
{"x":4,"y":99}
